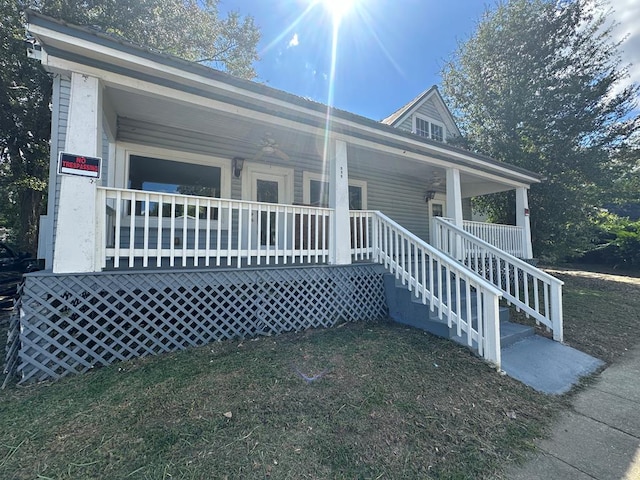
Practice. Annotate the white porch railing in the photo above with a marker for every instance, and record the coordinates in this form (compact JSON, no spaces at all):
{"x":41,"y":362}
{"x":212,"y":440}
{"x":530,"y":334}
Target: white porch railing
{"x":434,"y":278}
{"x":508,"y":238}
{"x":142,"y":229}
{"x":531,"y":290}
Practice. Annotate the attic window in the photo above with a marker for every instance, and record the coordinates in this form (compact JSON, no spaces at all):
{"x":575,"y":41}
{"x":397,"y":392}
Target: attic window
{"x":428,"y":128}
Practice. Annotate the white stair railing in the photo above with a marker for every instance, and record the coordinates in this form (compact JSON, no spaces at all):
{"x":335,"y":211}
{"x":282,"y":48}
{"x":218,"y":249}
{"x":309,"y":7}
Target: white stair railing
{"x":143,"y":229}
{"x":508,"y":238}
{"x":468,"y":302}
{"x":536,"y":293}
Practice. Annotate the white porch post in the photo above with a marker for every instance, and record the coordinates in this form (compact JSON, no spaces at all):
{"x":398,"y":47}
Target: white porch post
{"x":454,"y":196}
{"x":75,"y":242}
{"x":522,"y":220}
{"x":340,"y":246}
{"x":454,"y":206}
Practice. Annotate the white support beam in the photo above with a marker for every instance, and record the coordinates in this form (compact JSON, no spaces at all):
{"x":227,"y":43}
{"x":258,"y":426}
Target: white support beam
{"x":76,"y":240}
{"x":340,"y":246}
{"x":522,"y":220}
{"x":454,"y":205}
{"x":454,"y":196}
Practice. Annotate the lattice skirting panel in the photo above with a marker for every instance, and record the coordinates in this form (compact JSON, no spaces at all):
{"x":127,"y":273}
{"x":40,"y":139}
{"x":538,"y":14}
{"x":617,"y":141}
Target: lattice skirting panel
{"x":70,"y":323}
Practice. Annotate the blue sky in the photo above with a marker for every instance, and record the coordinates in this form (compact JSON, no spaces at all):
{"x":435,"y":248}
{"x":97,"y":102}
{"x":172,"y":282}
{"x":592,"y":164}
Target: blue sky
{"x":388,"y":51}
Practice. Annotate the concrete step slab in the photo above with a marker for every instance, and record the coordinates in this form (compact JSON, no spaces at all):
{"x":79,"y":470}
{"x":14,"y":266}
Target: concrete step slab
{"x":547,"y":366}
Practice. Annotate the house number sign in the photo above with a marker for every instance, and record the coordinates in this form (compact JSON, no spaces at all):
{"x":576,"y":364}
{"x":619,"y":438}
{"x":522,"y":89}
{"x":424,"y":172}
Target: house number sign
{"x":70,"y":164}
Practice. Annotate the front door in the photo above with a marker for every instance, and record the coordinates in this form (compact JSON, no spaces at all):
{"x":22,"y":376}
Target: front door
{"x":268,"y":191}
{"x":270,"y":185}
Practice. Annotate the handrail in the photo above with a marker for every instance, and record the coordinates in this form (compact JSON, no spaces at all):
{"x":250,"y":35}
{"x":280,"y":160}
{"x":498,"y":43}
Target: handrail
{"x":508,"y":238}
{"x":531,"y":290}
{"x":437,"y":280}
{"x":139,"y":228}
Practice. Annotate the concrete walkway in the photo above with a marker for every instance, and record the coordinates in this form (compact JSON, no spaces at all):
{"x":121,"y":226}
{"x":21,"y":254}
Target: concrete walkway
{"x":599,"y":438}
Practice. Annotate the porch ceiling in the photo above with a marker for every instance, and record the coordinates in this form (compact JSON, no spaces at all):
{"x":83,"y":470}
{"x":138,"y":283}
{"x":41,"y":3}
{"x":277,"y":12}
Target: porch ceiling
{"x":236,"y":135}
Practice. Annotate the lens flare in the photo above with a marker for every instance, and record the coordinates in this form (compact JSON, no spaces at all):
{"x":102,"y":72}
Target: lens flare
{"x":338,"y":8}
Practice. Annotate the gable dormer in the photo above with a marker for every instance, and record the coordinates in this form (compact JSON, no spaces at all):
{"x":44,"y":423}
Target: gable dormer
{"x":427,"y":116}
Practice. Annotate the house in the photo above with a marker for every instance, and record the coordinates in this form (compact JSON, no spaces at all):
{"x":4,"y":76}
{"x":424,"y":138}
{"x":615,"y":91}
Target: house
{"x":186,"y":206}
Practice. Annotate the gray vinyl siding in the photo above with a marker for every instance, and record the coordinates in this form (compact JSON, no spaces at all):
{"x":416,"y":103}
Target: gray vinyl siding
{"x":220,"y":148}
{"x":428,"y":109}
{"x":61,"y":97}
{"x":104,"y":174}
{"x":399,"y":197}
{"x":407,"y":124}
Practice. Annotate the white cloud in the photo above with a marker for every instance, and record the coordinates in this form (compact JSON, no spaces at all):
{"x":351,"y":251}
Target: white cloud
{"x":294,"y":42}
{"x":627,"y":14}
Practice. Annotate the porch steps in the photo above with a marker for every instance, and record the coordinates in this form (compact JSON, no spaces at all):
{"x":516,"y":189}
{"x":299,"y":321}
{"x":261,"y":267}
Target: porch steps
{"x":405,"y":308}
{"x":547,"y":366}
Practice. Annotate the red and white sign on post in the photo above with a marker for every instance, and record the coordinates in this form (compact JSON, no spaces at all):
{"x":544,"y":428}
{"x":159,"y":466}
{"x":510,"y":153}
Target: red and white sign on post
{"x":70,"y":164}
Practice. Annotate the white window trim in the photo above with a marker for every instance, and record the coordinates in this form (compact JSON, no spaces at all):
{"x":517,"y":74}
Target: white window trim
{"x":125,"y":150}
{"x":430,"y":120}
{"x":306,"y":186}
{"x":251,"y":169}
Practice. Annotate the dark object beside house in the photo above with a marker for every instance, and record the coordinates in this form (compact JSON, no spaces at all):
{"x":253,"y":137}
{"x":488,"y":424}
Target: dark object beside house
{"x":13,"y":265}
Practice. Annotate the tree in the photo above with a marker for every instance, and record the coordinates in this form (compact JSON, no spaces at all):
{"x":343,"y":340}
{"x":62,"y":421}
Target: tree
{"x":538,"y":85}
{"x":191,"y":29}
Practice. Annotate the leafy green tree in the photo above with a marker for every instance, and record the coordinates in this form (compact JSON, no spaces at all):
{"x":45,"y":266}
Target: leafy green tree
{"x":538,"y":85}
{"x":191,"y":29}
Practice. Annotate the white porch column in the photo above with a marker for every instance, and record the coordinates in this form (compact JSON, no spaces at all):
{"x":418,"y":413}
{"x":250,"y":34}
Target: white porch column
{"x":454,"y":196}
{"x":75,"y":241}
{"x":454,"y":206}
{"x":522,"y":220}
{"x":340,"y":247}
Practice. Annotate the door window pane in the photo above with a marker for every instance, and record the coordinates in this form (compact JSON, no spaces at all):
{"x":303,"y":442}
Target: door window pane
{"x":267,"y":191}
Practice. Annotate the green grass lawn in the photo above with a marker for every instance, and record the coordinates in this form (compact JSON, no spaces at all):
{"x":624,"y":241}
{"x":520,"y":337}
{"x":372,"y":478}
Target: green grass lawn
{"x":391,"y":402}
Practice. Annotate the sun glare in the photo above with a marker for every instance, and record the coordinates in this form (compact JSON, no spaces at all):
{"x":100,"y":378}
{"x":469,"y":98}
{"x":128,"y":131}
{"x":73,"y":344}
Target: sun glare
{"x":338,"y":8}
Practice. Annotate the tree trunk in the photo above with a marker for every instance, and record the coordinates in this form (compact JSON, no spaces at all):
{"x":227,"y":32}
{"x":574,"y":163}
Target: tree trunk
{"x":30,"y":204}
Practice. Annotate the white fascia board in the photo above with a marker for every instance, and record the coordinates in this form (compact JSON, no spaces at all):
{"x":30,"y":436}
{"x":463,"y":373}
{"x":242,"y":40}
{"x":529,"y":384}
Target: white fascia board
{"x":438,"y":162}
{"x":525,"y":180}
{"x":132,"y":84}
{"x":133,"y":61}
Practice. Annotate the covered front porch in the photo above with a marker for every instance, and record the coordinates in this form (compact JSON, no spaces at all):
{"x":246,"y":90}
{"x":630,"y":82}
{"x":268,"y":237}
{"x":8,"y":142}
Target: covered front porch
{"x":213,"y":184}
{"x":217,"y":187}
